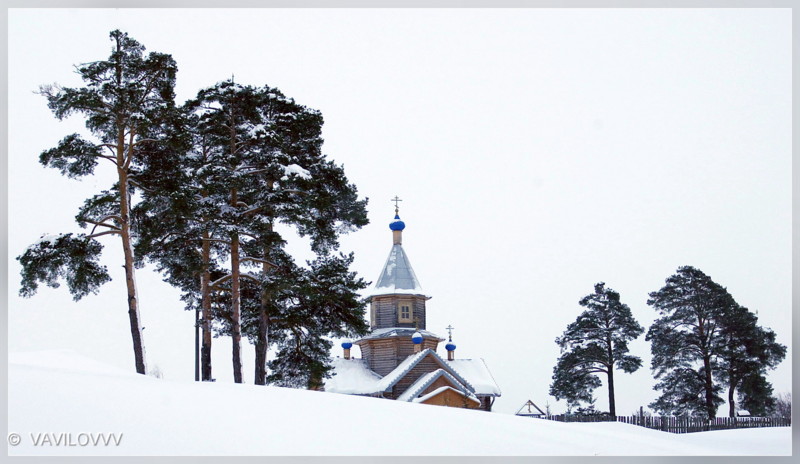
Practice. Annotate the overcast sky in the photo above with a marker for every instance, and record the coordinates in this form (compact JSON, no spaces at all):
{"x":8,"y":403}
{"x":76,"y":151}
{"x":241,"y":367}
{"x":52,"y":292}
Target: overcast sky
{"x":537,"y":152}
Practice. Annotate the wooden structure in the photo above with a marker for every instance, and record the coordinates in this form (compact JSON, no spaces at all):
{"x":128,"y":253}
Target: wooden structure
{"x":529,"y":409}
{"x":399,"y":357}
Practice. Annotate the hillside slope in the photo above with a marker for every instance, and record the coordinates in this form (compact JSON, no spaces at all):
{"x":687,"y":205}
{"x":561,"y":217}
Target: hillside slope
{"x":61,"y":394}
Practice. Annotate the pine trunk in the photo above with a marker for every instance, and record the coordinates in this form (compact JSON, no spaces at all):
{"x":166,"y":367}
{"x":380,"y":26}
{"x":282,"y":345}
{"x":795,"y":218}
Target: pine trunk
{"x":205,"y":290}
{"x":236,"y":310}
{"x":262,"y":341}
{"x":261,"y":347}
{"x":612,"y":406}
{"x":127,"y":249}
{"x":709,"y":386}
{"x":708,"y":381}
{"x":731,"y":400}
{"x":123,"y":164}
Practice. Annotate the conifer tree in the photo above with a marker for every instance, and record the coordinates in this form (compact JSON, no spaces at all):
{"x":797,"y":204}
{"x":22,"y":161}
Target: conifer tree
{"x":260,"y":163}
{"x":125,"y":102}
{"x":686,"y":342}
{"x":179,"y":219}
{"x":748,"y":352}
{"x":596,"y":343}
{"x":319,"y":302}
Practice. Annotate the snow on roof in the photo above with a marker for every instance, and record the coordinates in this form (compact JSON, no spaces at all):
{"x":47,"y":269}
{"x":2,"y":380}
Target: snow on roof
{"x":405,"y":367}
{"x":398,"y":332}
{"x":397,"y":276}
{"x":476,"y":371}
{"x":440,"y":390}
{"x":353,"y":377}
{"x":424,"y":382}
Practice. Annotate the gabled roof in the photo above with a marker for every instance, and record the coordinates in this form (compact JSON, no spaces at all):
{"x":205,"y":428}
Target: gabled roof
{"x":397,"y":276}
{"x":441,"y":390}
{"x":478,"y":374}
{"x":424,"y":382}
{"x":405,"y":367}
{"x":529,"y":409}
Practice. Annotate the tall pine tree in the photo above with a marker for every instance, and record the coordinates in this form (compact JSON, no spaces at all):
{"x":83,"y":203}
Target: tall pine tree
{"x":596,"y":343}
{"x":748,"y":352}
{"x":686,"y":342}
{"x":125,"y":102}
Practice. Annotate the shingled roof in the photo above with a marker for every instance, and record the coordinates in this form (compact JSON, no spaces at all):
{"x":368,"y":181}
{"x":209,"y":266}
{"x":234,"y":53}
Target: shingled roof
{"x":397,"y":276}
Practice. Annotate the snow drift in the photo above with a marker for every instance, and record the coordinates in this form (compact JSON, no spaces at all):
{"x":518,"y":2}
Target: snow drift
{"x":80,"y":402}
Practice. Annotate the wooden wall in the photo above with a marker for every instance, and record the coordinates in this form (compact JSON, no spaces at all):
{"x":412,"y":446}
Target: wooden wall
{"x":385,"y":312}
{"x":452,"y":399}
{"x":384,"y":354}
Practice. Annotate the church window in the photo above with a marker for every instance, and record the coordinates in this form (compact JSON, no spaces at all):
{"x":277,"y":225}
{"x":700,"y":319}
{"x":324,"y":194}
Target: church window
{"x":405,"y":311}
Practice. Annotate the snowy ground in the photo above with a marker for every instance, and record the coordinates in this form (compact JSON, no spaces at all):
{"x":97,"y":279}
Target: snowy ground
{"x":64,"y":401}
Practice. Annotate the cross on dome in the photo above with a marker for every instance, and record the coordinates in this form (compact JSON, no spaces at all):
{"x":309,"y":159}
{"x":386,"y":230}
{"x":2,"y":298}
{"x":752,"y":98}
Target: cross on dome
{"x":396,"y":200}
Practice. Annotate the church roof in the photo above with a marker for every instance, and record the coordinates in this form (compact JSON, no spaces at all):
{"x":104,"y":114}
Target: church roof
{"x":397,"y":276}
{"x":424,"y":382}
{"x":353,"y":377}
{"x":398,"y":332}
{"x":405,"y":367}
{"x":478,"y":374}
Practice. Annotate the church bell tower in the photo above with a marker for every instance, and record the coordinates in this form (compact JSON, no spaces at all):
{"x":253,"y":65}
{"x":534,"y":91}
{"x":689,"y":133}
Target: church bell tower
{"x":397,"y":307}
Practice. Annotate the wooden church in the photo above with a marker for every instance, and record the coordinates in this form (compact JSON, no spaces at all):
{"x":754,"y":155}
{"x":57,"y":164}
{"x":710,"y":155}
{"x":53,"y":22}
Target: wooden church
{"x":399,"y":356}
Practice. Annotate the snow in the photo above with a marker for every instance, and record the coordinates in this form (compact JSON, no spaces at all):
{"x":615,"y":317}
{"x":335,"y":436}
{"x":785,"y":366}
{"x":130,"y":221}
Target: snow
{"x":478,"y":374}
{"x":397,"y":276}
{"x":296,"y":170}
{"x":61,"y":392}
{"x":352,"y":377}
{"x":46,"y":238}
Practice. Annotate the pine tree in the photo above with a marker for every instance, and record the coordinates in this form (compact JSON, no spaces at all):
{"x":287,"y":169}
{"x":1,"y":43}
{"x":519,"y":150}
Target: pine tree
{"x":686,"y":342}
{"x":320,"y":301}
{"x":125,"y":102}
{"x":748,"y":352}
{"x":596,"y":343}
{"x":179,"y":219}
{"x":263,"y":165}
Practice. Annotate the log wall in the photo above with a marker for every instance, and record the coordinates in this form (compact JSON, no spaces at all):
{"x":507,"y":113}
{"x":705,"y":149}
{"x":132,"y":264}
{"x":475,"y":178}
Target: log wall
{"x":384,"y":311}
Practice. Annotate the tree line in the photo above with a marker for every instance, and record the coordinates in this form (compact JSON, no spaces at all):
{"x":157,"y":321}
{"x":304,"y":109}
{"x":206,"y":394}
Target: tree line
{"x":703,"y":345}
{"x":199,"y":189}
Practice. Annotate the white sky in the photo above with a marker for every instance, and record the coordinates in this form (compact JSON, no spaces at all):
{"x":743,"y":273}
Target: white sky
{"x":537,"y":152}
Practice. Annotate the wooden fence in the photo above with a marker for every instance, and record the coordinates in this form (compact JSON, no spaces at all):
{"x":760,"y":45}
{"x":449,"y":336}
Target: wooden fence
{"x":681,"y":424}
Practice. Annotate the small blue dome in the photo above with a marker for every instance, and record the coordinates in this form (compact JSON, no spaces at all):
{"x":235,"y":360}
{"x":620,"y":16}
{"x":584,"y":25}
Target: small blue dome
{"x":416,"y":338}
{"x":347,"y":345}
{"x":397,"y":224}
{"x":450,"y":346}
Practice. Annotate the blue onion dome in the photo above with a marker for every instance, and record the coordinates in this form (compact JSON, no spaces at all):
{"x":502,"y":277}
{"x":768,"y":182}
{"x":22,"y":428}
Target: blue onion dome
{"x":397,"y":224}
{"x":450,"y":346}
{"x":347,"y":345}
{"x":416,"y":338}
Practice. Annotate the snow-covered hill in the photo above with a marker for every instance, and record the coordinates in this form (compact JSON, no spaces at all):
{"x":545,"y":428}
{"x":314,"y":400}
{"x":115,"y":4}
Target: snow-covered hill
{"x":61,"y":402}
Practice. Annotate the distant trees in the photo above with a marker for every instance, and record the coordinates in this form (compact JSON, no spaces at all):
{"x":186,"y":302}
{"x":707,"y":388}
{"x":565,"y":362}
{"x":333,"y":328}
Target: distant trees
{"x":125,"y":101}
{"x":212,"y":178}
{"x":596,"y":343}
{"x":703,"y":335}
{"x":703,"y":344}
{"x":783,"y":406}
